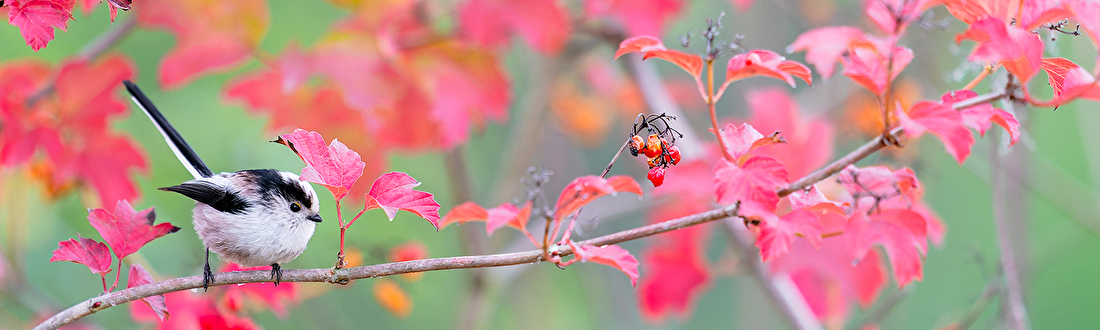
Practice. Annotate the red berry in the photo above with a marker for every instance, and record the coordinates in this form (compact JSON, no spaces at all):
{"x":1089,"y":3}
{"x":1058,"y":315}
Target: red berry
{"x":674,"y":155}
{"x":656,"y":176}
{"x":652,"y":162}
{"x":636,"y":145}
{"x":653,"y":146}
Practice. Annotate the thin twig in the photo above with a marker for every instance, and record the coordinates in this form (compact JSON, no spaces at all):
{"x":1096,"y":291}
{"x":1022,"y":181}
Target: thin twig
{"x":1009,"y":208}
{"x":329,"y":275}
{"x":783,"y":297}
{"x":992,"y":289}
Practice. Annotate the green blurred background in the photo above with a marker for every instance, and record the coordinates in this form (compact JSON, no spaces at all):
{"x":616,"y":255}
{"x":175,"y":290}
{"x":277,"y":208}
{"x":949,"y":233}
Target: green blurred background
{"x":1062,"y":247}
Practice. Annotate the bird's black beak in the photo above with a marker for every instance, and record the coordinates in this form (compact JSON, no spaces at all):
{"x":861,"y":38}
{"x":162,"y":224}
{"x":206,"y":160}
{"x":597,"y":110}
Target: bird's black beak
{"x":314,"y":218}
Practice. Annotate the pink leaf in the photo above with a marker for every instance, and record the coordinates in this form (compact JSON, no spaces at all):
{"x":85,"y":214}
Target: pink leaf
{"x":585,"y":189}
{"x":334,"y":166}
{"x":1018,"y":50}
{"x":943,"y":121}
{"x":754,"y":181}
{"x":507,"y":215}
{"x":982,"y":116}
{"x":84,"y":251}
{"x":464,"y":213}
{"x":1056,"y":69}
{"x":267,"y":295}
{"x":394,"y":191}
{"x":542,"y":23}
{"x":809,"y":140}
{"x":824,"y":46}
{"x":880,"y":182}
{"x":611,"y":255}
{"x":139,"y":276}
{"x":636,"y":17}
{"x":830,"y":279}
{"x":766,"y":63}
{"x":652,"y":47}
{"x":777,"y":233}
{"x":36,"y":19}
{"x":127,"y":230}
{"x":901,"y":233}
{"x":866,"y":64}
{"x":676,"y":271}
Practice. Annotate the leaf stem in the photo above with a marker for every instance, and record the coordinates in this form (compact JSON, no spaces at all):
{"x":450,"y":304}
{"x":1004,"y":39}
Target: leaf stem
{"x":710,"y":100}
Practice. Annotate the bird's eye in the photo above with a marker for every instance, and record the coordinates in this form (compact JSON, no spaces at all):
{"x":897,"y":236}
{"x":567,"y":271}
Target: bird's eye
{"x":295,"y":207}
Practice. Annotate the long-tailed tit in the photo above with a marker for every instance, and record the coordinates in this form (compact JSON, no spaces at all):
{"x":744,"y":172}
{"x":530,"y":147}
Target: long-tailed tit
{"x":250,"y":217}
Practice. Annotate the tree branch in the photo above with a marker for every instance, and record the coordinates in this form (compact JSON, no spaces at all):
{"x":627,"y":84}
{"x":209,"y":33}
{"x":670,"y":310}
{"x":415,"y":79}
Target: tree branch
{"x":341,"y":276}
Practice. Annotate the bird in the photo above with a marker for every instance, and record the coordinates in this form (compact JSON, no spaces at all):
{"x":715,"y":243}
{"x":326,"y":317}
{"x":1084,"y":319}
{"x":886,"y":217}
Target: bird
{"x":251,"y":218}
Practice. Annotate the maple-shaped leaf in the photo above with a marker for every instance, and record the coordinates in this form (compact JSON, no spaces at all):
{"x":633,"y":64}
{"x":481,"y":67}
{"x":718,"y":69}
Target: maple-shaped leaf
{"x":139,"y":276}
{"x":740,"y":140}
{"x":334,"y":166}
{"x":809,"y":141}
{"x":611,"y":255}
{"x":1031,"y":14}
{"x":127,"y":230}
{"x":192,"y":310}
{"x":1081,"y":83}
{"x":36,"y":19}
{"x":892,"y":16}
{"x":636,"y":17}
{"x":901,"y":233}
{"x":751,"y":182}
{"x":652,"y":47}
{"x":394,"y":191}
{"x":585,"y":189}
{"x":507,"y":215}
{"x":867,"y":63}
{"x":777,"y":233}
{"x":759,"y":62}
{"x":1056,"y":69}
{"x":309,"y":108}
{"x":981,"y":117}
{"x":825,"y":46}
{"x":943,"y":121}
{"x":210,"y":36}
{"x":880,"y":182}
{"x":1017,"y":49}
{"x":830,"y":279}
{"x":676,"y":270}
{"x":84,"y":251}
{"x":264,"y":295}
{"x":542,"y":23}
{"x":463,"y":213}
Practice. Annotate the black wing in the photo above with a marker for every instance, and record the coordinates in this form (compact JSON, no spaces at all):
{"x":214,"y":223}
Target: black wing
{"x":211,"y":194}
{"x":180,"y":147}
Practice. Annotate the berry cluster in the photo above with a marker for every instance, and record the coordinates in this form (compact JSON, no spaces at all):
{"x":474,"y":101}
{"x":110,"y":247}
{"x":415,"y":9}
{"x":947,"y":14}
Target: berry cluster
{"x":658,"y":147}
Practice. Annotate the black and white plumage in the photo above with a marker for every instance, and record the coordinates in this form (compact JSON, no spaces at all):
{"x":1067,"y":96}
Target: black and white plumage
{"x":250,"y":217}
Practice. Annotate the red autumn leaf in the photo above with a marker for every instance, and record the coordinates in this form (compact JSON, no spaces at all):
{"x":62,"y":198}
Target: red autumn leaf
{"x":394,"y":191}
{"x":866,"y":63}
{"x":943,"y":121}
{"x":1087,"y":13}
{"x":611,"y":255}
{"x":36,"y":19}
{"x":829,"y":278}
{"x":1081,"y":83}
{"x":84,"y":251}
{"x":1034,"y":13}
{"x":193,"y":311}
{"x":1056,"y":69}
{"x":127,"y":230}
{"x":507,"y":215}
{"x":652,"y":47}
{"x":901,"y":233}
{"x":210,"y":36}
{"x":752,"y":182}
{"x":740,"y":140}
{"x":1018,"y":50}
{"x":463,"y":213}
{"x":824,"y":46}
{"x":542,"y":23}
{"x":892,"y":16}
{"x":265,"y":295}
{"x":585,"y":189}
{"x":139,"y":276}
{"x":777,"y":233}
{"x":676,"y":270}
{"x":880,"y":182}
{"x":766,"y":63}
{"x":636,"y":17}
{"x":809,"y":141}
{"x":981,"y":117}
{"x":309,"y":108}
{"x":334,"y":166}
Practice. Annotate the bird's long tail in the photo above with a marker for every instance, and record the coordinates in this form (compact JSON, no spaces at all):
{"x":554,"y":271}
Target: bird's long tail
{"x":183,"y":151}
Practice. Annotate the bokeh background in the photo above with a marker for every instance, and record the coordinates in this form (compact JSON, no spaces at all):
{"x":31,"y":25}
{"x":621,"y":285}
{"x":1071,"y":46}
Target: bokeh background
{"x":1058,"y":229}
